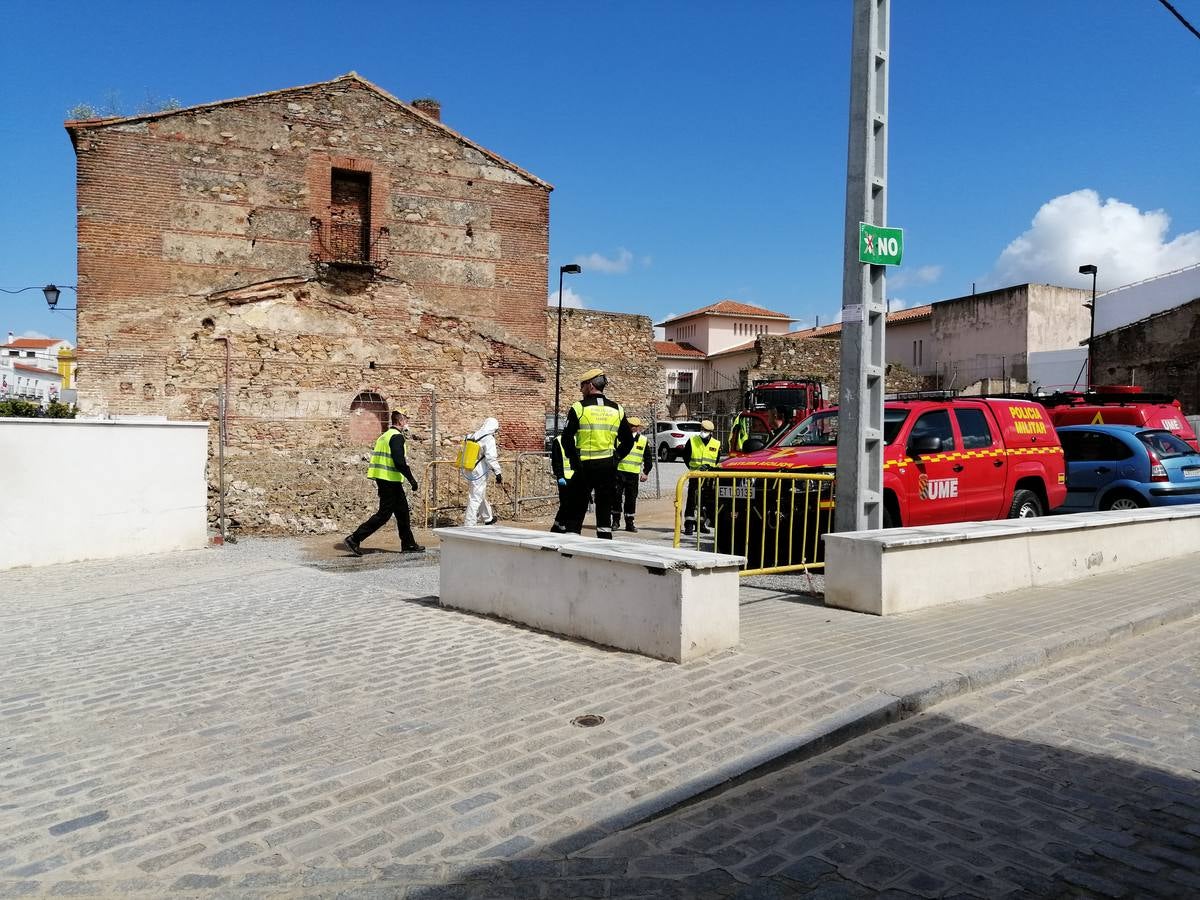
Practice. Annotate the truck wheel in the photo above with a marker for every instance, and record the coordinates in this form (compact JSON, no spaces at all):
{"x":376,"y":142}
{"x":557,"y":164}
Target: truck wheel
{"x":664,"y":454}
{"x":1025,"y":505}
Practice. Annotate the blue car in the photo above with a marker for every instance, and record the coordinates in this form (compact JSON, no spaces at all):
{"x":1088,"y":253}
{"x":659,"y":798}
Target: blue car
{"x":1127,"y":467}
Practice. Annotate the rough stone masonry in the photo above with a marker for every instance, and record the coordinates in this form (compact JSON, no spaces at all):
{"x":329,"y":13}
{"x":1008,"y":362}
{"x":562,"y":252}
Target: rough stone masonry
{"x":322,"y":254}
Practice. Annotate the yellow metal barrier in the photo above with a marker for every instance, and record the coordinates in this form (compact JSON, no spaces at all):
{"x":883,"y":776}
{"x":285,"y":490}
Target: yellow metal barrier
{"x":774,"y":519}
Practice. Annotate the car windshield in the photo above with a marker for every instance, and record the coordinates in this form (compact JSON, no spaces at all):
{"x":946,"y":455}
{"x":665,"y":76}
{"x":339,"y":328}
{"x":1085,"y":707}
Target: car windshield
{"x":1164,"y":444}
{"x":821,"y":429}
{"x":687,"y":426}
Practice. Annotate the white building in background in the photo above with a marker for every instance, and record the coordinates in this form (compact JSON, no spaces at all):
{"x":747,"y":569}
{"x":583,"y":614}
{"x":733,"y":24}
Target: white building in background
{"x":695,"y":341}
{"x":37,"y":369}
{"x":19,"y":381}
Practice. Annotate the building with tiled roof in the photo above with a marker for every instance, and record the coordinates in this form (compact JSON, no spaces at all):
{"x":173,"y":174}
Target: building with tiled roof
{"x":693,"y":338}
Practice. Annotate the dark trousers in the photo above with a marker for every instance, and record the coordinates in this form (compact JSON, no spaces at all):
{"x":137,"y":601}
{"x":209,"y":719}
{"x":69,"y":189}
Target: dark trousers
{"x":706,"y":502}
{"x":625,"y":496}
{"x":392,"y":502}
{"x":563,"y":492}
{"x":590,"y":478}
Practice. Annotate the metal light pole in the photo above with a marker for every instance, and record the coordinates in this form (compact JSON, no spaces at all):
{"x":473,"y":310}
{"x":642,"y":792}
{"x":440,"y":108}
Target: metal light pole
{"x":1090,"y":269}
{"x":860,"y":402}
{"x":570,"y":269}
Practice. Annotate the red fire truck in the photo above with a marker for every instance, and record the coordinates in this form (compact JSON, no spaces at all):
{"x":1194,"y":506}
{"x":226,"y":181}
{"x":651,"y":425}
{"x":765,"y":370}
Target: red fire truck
{"x":798,"y":397}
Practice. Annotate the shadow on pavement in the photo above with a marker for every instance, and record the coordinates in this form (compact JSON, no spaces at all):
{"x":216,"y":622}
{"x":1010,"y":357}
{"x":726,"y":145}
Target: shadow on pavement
{"x":927,"y":807}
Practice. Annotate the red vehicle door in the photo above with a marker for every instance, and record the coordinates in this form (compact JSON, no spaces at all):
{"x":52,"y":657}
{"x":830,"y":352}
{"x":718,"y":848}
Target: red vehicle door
{"x":931,"y":485}
{"x":982,"y":466}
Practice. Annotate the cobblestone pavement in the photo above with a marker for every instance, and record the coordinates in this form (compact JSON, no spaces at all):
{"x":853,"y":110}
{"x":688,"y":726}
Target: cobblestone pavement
{"x":1080,"y":780}
{"x":236,"y":721}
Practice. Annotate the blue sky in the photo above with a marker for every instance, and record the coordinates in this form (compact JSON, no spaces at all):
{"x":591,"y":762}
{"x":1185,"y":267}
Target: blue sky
{"x":697,"y":149}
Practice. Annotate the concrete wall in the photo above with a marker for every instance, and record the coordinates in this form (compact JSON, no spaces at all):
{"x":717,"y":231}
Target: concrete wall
{"x":1138,"y":301}
{"x":1161,"y":353}
{"x":196,"y":226}
{"x":1056,"y":318}
{"x":898,"y":346}
{"x":77,"y":489}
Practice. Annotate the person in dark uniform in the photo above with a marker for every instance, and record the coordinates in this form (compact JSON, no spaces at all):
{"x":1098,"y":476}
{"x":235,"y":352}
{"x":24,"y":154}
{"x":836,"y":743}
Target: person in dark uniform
{"x":561,"y":467}
{"x":596,"y":436}
{"x":389,"y":470}
{"x":701,"y":453}
{"x":632,"y":470}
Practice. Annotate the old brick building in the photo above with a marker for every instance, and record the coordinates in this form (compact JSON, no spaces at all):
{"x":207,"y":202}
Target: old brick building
{"x":327,"y":252}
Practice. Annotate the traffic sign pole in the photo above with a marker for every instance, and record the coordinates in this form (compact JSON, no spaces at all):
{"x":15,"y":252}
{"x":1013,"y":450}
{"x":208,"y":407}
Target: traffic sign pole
{"x":864,"y":306}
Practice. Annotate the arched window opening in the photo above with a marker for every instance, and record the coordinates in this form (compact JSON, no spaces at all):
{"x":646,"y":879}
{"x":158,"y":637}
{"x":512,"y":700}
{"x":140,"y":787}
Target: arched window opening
{"x":368,"y":418}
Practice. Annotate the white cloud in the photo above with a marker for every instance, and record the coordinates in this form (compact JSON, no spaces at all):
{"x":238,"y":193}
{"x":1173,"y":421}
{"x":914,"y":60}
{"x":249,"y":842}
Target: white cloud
{"x":1073,"y":229}
{"x":34,"y":334}
{"x":917,"y":276}
{"x":647,"y":261}
{"x":895,"y":304}
{"x":660,"y":333}
{"x":571,"y":299}
{"x":598,"y":262}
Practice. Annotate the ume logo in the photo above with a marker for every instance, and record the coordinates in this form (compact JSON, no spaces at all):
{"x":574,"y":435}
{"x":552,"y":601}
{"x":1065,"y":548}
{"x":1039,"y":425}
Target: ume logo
{"x":937,"y":488}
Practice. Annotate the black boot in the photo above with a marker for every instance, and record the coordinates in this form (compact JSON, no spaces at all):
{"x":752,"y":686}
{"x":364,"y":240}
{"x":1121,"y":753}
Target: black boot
{"x":629,"y":526}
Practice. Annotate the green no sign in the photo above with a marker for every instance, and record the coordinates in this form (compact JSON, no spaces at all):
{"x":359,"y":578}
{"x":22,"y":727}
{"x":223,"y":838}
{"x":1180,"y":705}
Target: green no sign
{"x":880,"y":246}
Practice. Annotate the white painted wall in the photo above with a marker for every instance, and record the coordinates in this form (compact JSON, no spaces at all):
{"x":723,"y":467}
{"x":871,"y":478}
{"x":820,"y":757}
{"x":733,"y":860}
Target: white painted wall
{"x":1145,"y":298}
{"x":664,"y":602}
{"x":97,"y":489}
{"x":889,"y":571}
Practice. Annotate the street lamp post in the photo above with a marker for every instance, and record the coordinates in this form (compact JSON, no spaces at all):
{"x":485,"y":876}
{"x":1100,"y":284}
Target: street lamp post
{"x":1090,"y":269}
{"x":570,"y":269}
{"x":51,"y":292}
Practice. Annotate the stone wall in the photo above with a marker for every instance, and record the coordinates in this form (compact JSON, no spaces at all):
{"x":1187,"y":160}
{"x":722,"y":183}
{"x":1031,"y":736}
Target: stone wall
{"x":1160,"y":353}
{"x":195,"y":234}
{"x":784,"y":357}
{"x":620,"y":343}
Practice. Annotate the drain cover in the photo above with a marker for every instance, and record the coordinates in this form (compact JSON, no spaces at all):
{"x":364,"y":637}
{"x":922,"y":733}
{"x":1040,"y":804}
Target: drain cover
{"x":588,"y":721}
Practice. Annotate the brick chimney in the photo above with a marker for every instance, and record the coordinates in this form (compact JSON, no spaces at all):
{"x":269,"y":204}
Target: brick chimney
{"x":430,"y":107}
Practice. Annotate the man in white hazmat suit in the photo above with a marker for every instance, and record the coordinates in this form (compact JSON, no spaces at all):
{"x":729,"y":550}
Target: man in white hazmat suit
{"x":477,"y":478}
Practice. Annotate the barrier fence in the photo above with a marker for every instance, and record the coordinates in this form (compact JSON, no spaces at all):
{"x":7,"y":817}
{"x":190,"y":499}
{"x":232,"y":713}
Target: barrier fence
{"x":529,"y":487}
{"x":774,"y":519}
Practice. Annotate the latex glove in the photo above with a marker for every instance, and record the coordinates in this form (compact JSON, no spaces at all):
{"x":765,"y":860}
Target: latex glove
{"x":562,"y":482}
{"x":499,"y":478}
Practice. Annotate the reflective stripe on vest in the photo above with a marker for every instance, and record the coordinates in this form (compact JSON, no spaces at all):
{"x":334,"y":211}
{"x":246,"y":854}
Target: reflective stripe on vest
{"x":566,"y":460}
{"x":382,"y":467}
{"x":704,"y":453}
{"x":598,"y":424}
{"x":633,"y":462}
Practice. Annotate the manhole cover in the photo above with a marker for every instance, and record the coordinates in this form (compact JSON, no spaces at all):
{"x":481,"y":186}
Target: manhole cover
{"x":588,"y":721}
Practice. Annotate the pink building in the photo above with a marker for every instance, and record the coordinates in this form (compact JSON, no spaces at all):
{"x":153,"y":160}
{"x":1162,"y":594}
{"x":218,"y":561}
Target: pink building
{"x":705,"y":347}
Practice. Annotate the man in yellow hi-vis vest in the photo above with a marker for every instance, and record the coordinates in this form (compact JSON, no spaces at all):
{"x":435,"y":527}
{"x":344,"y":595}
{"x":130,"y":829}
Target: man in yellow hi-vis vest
{"x":632,"y":470}
{"x":700,"y":453}
{"x":596,"y":436}
{"x":389,"y":470}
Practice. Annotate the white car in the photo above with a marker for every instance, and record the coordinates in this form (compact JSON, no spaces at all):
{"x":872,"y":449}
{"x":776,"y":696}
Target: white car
{"x":672,"y":437}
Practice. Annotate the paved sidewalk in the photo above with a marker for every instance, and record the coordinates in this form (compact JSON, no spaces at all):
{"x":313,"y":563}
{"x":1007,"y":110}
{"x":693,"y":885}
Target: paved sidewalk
{"x":240,"y":719}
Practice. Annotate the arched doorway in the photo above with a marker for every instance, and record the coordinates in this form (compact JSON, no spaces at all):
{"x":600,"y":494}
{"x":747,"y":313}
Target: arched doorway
{"x":368,"y":418}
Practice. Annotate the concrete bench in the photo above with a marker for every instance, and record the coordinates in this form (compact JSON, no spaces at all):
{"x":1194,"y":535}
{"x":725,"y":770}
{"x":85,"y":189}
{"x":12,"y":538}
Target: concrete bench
{"x":902,"y":569}
{"x":658,"y":601}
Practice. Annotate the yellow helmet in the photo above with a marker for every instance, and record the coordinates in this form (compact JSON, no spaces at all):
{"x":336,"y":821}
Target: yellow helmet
{"x":634,"y":421}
